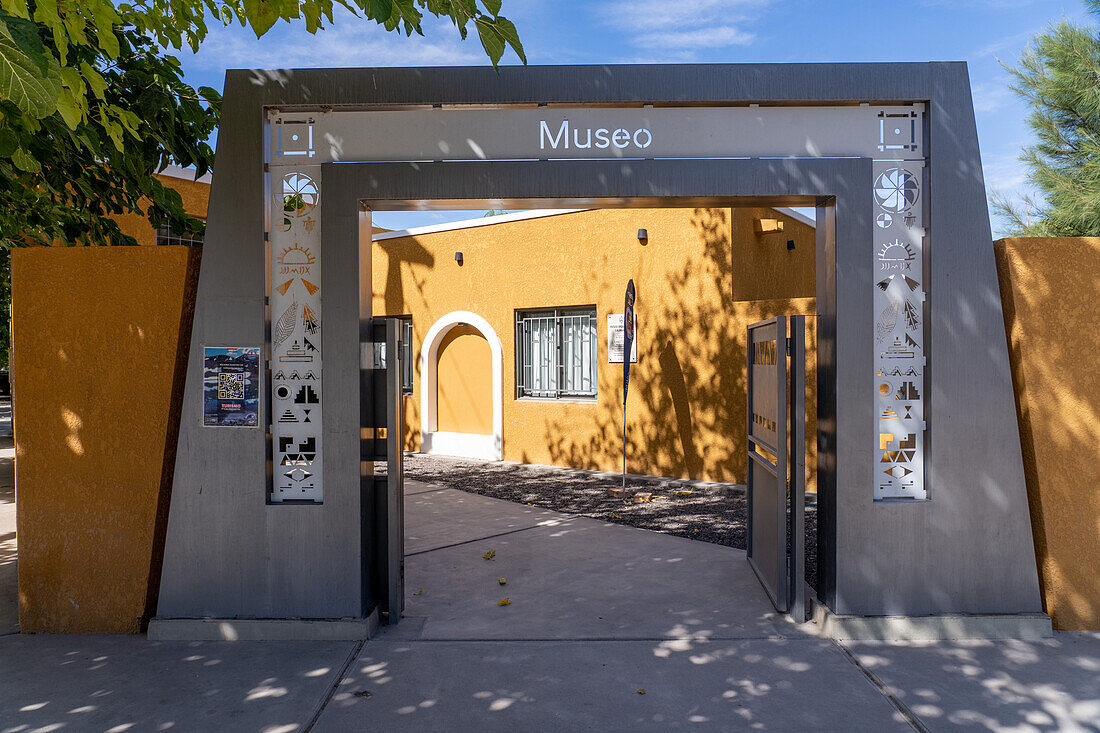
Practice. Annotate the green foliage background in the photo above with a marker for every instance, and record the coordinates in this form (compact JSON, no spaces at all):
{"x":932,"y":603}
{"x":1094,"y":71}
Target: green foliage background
{"x":1059,"y":77}
{"x":91,"y":107}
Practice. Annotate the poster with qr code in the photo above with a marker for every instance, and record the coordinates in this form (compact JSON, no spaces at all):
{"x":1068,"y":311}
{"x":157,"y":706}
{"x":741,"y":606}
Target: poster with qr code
{"x":231,"y":386}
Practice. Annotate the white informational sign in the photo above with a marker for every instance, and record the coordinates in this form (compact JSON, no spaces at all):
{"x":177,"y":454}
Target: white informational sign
{"x":616,"y":333}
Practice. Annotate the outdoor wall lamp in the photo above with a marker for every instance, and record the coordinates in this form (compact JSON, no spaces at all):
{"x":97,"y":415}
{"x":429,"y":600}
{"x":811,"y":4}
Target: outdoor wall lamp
{"x":790,"y":244}
{"x":643,"y":236}
{"x":458,"y":258}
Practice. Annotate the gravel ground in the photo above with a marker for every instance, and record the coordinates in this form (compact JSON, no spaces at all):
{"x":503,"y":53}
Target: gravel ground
{"x":685,"y":511}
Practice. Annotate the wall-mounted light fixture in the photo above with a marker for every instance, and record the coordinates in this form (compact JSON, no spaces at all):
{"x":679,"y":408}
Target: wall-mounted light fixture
{"x":643,"y":236}
{"x":790,"y":244}
{"x":458,"y":258}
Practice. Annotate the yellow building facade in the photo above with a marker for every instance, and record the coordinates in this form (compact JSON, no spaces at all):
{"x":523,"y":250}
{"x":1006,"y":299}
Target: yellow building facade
{"x":702,"y":276}
{"x":195,"y":195}
{"x":474,"y":292}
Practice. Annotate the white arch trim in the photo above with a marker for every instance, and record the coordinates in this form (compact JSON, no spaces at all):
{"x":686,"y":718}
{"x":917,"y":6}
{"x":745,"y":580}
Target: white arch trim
{"x":468,"y":445}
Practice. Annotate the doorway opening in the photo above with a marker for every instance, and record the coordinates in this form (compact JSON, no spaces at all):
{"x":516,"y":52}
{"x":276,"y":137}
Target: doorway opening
{"x":518,"y":310}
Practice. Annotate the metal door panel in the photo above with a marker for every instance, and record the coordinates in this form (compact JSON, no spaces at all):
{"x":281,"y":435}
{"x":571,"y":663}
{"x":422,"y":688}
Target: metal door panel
{"x":775,"y":431}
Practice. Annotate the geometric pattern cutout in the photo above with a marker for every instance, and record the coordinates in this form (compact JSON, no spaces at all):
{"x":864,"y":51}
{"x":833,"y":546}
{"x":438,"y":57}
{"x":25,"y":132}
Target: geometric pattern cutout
{"x":887,"y":320}
{"x":899,"y":301}
{"x":907,"y":391}
{"x":284,"y":327}
{"x":307,"y":396}
{"x":896,"y":190}
{"x":294,"y":300}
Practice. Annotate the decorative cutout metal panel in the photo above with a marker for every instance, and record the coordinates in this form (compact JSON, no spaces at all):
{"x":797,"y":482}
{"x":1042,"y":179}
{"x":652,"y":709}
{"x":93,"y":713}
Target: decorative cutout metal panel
{"x":899,"y":310}
{"x":295,"y":302}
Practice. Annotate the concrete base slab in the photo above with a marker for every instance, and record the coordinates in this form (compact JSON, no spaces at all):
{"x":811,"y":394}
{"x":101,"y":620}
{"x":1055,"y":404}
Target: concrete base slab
{"x":931,"y":628}
{"x":1046,"y":685}
{"x":607,"y":686}
{"x":412,"y":486}
{"x":52,"y":682}
{"x":212,"y":629}
{"x":445,"y":517}
{"x":571,"y":577}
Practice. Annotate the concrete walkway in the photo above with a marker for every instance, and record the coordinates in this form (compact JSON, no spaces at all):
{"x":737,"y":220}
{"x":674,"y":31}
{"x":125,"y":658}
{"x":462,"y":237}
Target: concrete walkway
{"x":598,"y":613}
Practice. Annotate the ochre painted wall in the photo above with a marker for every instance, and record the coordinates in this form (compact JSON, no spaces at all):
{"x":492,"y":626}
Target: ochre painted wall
{"x":195,"y":195}
{"x":702,"y":277}
{"x":464,"y":382}
{"x":99,"y":347}
{"x":1051,"y":295}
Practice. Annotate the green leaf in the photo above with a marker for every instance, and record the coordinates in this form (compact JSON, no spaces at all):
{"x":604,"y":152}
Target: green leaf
{"x":24,"y":34}
{"x":8,"y":142}
{"x":379,"y":10}
{"x":95,"y":81}
{"x":261,"y":15}
{"x":23,"y":83}
{"x":508,"y":30}
{"x":491,"y":41}
{"x":24,"y":161}
{"x":493,"y":6}
{"x":71,"y":109}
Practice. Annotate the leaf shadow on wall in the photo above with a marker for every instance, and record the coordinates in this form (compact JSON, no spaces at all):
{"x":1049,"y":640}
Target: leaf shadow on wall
{"x":686,"y":410}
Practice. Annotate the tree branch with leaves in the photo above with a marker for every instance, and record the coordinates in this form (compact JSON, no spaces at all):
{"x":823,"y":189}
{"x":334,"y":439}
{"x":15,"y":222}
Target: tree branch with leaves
{"x":1059,"y":78}
{"x":91,"y":106}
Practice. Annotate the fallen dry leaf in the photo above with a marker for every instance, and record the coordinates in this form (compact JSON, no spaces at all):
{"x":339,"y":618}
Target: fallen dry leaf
{"x":641,"y":691}
{"x":490,"y":554}
{"x":502,"y":581}
{"x":419,"y":592}
{"x":504,"y":602}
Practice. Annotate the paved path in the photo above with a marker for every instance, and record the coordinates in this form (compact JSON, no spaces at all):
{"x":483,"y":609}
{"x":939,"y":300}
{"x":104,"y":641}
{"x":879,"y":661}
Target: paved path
{"x":598,"y":613}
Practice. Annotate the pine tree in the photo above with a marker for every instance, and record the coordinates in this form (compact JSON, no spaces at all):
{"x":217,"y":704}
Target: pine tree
{"x":1059,"y":77}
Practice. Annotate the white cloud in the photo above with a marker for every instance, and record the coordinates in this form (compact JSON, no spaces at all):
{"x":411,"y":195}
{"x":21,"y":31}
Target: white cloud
{"x":713,"y":37}
{"x":990,"y":96}
{"x":1005,"y":173}
{"x":686,"y":26}
{"x":349,"y":41}
{"x":1014,"y":43}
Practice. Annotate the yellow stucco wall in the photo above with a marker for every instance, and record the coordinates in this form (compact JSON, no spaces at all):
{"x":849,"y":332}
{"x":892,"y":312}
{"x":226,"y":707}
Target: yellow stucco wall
{"x":702,"y":277}
{"x":1051,"y":296}
{"x":464,"y":383}
{"x":195,"y":195}
{"x":99,"y":352}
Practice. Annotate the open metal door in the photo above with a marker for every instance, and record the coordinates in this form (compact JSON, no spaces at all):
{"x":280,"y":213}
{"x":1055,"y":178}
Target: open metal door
{"x":776,"y":448}
{"x":386,"y":444}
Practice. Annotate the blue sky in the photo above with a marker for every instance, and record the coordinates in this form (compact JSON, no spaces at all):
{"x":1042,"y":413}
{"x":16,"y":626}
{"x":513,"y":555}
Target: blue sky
{"x":980,"y":32}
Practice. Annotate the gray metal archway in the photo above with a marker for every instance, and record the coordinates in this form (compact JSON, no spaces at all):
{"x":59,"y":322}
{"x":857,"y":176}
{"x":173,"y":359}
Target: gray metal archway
{"x":885,"y":151}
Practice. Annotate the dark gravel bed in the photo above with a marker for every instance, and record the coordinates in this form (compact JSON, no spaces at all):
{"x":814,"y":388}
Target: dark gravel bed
{"x":677,"y":509}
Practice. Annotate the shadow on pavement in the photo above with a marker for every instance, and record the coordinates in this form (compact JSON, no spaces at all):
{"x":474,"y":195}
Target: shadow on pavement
{"x":120,"y":683}
{"x":1052,"y":684}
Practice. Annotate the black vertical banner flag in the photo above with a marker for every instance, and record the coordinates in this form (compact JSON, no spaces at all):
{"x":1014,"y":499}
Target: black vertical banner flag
{"x":628,"y":336}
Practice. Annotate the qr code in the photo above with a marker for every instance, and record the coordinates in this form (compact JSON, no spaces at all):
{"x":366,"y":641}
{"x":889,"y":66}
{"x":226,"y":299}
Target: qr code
{"x":231,"y":386}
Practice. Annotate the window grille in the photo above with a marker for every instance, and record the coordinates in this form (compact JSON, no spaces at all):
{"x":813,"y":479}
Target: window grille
{"x":556,"y":353}
{"x":167,"y":235}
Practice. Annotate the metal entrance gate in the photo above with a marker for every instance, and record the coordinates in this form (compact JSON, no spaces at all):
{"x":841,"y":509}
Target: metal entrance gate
{"x":776,"y":408}
{"x":383,"y":498}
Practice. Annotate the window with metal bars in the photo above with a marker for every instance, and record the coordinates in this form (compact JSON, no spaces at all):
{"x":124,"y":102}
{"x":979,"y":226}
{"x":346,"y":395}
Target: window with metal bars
{"x":167,"y":235}
{"x":556,"y":353}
